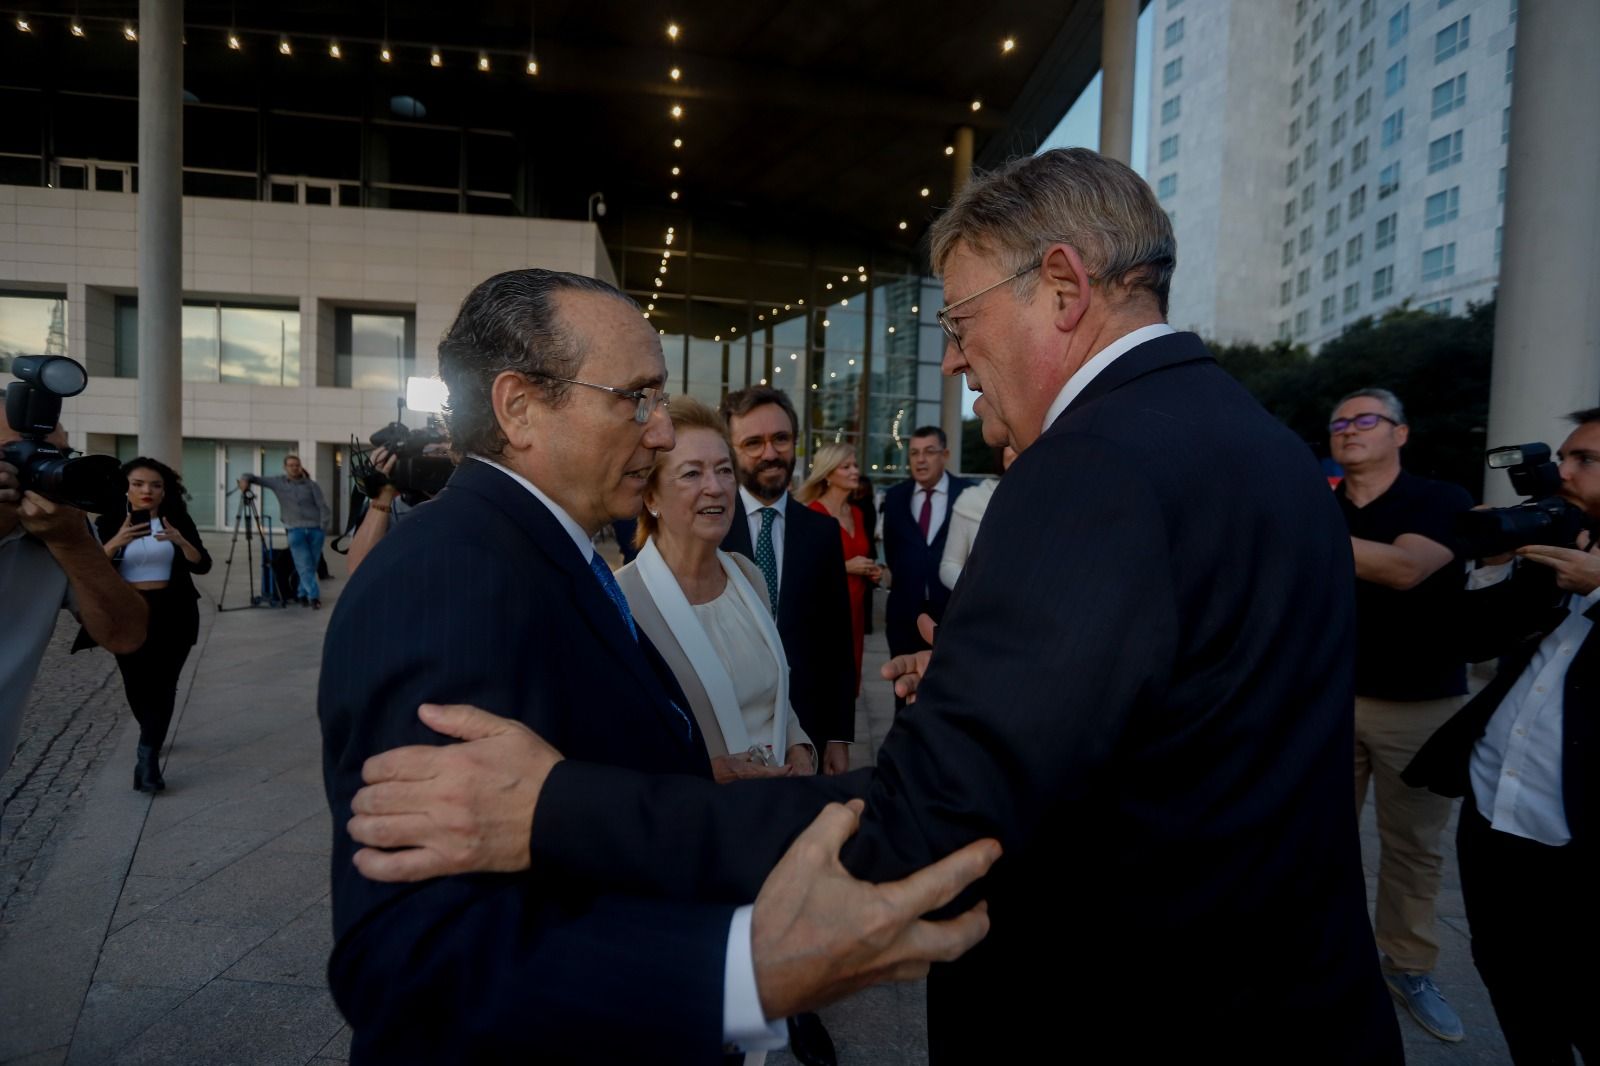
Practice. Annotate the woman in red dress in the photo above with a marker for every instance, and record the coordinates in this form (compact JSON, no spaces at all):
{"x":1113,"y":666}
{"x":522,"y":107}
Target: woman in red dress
{"x":835,"y":474}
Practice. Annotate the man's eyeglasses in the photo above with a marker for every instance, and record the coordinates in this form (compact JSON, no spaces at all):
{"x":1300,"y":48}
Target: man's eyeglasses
{"x":1368,"y":420}
{"x":943,"y":316}
{"x":648,"y":400}
{"x":754,"y":446}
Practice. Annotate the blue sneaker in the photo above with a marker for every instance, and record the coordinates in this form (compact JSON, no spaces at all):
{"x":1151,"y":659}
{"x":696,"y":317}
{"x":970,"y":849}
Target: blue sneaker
{"x":1427,"y":1004}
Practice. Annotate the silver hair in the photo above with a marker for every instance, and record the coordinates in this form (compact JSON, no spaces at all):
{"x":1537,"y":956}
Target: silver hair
{"x":1391,"y":403}
{"x":1072,"y":196}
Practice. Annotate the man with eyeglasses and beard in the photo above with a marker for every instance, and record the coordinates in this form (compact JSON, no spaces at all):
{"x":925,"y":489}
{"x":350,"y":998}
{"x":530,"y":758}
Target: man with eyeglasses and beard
{"x":1411,"y":678}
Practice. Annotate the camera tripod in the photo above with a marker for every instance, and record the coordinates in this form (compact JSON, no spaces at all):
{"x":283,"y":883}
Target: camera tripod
{"x":270,"y":596}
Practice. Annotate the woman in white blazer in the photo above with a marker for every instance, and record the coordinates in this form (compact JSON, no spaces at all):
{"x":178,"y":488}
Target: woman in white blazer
{"x":706,"y":611}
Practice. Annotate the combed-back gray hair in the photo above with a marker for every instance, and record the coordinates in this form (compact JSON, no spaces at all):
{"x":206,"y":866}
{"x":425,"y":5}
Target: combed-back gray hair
{"x":1071,"y":196}
{"x":509,"y":323}
{"x":1391,"y":403}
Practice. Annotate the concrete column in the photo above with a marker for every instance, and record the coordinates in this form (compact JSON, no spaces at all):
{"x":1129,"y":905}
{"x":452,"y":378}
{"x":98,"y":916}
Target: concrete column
{"x":1547,"y":325}
{"x":950,"y":397}
{"x":1119,"y":32}
{"x":161,"y":229}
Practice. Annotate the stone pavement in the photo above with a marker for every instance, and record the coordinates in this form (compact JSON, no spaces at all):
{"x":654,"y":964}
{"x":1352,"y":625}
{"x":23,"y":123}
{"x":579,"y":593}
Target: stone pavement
{"x":194,"y":927}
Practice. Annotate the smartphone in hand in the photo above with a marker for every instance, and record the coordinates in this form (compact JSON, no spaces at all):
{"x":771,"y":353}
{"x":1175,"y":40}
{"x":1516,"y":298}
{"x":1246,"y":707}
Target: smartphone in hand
{"x":139,"y":518}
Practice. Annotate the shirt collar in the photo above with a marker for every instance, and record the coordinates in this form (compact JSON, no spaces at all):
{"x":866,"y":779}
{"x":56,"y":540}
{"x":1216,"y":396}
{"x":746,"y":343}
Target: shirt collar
{"x":582,"y":540}
{"x":1102,"y":359}
{"x":752,"y":503}
{"x":942,"y":486}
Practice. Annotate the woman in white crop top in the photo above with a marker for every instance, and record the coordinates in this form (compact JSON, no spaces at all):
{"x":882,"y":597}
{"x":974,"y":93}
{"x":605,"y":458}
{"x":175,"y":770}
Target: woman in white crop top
{"x":155,"y":547}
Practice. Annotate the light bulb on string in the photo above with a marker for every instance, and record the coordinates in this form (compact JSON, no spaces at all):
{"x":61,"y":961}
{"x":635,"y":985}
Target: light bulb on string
{"x":384,"y":55}
{"x":903,"y":223}
{"x":677,"y":142}
{"x":284,"y":47}
{"x":483,"y":62}
{"x":334,"y":50}
{"x":677,"y":111}
{"x":233,"y":42}
{"x":949,"y":149}
{"x":675,"y":74}
{"x":435,"y":59}
{"x":129,"y":33}
{"x":672,"y":30}
{"x":23,"y":25}
{"x":533,"y":65}
{"x":77,"y":28}
{"x":1007,"y":45}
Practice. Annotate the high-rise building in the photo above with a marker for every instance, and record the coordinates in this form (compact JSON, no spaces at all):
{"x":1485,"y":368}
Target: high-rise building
{"x":1324,"y":160}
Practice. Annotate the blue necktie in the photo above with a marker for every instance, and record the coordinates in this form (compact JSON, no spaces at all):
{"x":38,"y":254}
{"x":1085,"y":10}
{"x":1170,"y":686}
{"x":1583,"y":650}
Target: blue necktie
{"x":766,"y":558}
{"x":602,"y":573}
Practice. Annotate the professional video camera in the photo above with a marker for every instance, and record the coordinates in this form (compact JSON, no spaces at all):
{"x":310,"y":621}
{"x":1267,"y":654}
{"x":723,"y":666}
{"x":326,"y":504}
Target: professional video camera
{"x":1544,"y":518}
{"x":33,"y":406}
{"x":416,"y":474}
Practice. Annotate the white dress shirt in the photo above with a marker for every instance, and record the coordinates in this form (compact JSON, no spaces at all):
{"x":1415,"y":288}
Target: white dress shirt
{"x":744,"y":1026}
{"x":1102,"y":359}
{"x":752,"y":512}
{"x":941,"y":504}
{"x":1516,"y":764}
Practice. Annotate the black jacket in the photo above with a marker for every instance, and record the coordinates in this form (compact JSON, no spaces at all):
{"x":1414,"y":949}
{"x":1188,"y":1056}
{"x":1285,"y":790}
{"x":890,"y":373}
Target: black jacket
{"x":813,"y":617}
{"x":481,"y":597}
{"x":1142,"y":688}
{"x":913,"y":564}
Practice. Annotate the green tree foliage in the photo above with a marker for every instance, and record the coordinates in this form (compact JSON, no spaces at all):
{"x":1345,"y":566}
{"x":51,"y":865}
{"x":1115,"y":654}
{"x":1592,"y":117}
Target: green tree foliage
{"x":1437,"y":364}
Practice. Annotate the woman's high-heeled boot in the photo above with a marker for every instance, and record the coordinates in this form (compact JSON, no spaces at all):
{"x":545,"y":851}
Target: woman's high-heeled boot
{"x":147,"y":770}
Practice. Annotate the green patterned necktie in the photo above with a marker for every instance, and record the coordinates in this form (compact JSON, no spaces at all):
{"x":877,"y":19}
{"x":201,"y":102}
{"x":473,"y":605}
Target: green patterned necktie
{"x":766,"y":558}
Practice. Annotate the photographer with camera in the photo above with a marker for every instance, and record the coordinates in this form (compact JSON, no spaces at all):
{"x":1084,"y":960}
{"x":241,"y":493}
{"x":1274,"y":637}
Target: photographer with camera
{"x":305,"y":516}
{"x":1523,"y":752}
{"x":49,"y":562}
{"x":1410,"y":678}
{"x":407,"y":468}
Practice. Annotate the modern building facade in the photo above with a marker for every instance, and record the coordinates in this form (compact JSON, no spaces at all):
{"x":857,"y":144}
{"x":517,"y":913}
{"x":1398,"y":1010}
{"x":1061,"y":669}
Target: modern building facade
{"x":1325,"y":160}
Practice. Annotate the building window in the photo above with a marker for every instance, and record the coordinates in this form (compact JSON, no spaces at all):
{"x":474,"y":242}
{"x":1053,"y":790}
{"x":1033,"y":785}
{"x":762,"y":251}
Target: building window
{"x":31,"y":324}
{"x":1449,"y":95}
{"x":1399,"y":24}
{"x":1294,"y":131}
{"x":1299,"y":48}
{"x":1313,"y":111}
{"x":1365,"y":58}
{"x":1341,"y":40}
{"x":1358,"y":202}
{"x":1358,"y":155}
{"x":1302,"y":323}
{"x":1382,"y":282}
{"x":1167,"y":186}
{"x":1174,"y":32}
{"x":1437,"y":307}
{"x":1330,"y":307}
{"x":1314,"y":74}
{"x":1330,"y":265}
{"x":1291,"y":173}
{"x":1389,"y":180}
{"x":1439,"y":262}
{"x":1500,"y":197}
{"x":1352,"y":250}
{"x":1511,"y":62}
{"x":1172,"y":71}
{"x":1386,"y":232}
{"x":1505,"y":126}
{"x":1444,"y":152}
{"x":1394,"y":127}
{"x":1331,"y":221}
{"x":1307,"y":235}
{"x":1335,"y":174}
{"x":1441,"y":207}
{"x":1369,"y":11}
{"x":1352,"y":297}
{"x":1336,"y":130}
{"x":1300,"y":9}
{"x":1286,"y":294}
{"x":231,"y":343}
{"x":1311,"y":155}
{"x":1297,"y":89}
{"x":1341,"y":83}
{"x":1513,"y":18}
{"x":1285,"y":331}
{"x":1308,"y":196}
{"x":1288,"y":213}
{"x":1452,"y":39}
{"x":1302,"y":281}
{"x":1318,"y":23}
{"x":1170,"y":109}
{"x":1173,"y":3}
{"x":1169,"y":148}
{"x":1288,"y":252}
{"x":374,"y":349}
{"x":1363,"y":106}
{"x":1394,"y":79}
{"x":1499,"y":232}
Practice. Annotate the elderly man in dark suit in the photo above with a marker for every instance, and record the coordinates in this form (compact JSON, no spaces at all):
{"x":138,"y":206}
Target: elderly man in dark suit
{"x":1142,"y":686}
{"x":493,"y":594}
{"x":916,"y":524}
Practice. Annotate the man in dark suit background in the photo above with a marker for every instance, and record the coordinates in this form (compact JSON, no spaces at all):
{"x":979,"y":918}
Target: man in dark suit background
{"x":493,"y":594}
{"x":916,"y":523}
{"x":1522,"y":753}
{"x":800,"y":556}
{"x":1142,"y":688}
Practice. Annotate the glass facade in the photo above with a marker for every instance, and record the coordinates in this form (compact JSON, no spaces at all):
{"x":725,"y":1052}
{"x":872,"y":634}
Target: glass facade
{"x":374,"y":349}
{"x":228,"y":343}
{"x":31,"y":324}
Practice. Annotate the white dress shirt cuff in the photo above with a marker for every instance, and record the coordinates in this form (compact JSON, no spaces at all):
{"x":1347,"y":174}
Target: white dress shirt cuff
{"x":1483,"y":576}
{"x":744,"y":1027}
{"x":1581,"y":604}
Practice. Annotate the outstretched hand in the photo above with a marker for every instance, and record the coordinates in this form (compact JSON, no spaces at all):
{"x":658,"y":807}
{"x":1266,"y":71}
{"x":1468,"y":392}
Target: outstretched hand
{"x":906,"y":670}
{"x":451,"y":809}
{"x":818,"y":934}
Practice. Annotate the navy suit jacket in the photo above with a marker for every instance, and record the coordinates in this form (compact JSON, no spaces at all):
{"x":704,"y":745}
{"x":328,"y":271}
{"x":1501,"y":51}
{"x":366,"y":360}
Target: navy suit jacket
{"x":813,"y":617}
{"x":1142,"y":688}
{"x":913,"y":566}
{"x":481,"y":597}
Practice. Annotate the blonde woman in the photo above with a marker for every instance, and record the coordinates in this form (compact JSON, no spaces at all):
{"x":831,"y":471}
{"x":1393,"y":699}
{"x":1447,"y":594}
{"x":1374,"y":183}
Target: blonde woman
{"x":706,"y":611}
{"x":835,"y":474}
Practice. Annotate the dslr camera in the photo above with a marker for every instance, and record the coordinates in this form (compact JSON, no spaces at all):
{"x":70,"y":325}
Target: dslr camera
{"x":416,"y":474}
{"x":1543,"y":518}
{"x":33,"y":407}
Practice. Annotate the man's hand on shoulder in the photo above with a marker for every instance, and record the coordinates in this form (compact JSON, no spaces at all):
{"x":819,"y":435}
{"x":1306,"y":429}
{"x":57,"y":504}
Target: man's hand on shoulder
{"x":818,"y":934}
{"x":429,"y":811}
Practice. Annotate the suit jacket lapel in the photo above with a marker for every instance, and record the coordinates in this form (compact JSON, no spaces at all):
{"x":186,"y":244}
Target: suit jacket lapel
{"x":738,"y":538}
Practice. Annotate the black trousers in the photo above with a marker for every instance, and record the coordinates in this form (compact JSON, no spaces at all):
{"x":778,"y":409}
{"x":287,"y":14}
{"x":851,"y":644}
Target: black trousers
{"x":150,"y":675}
{"x":1535,"y":939}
